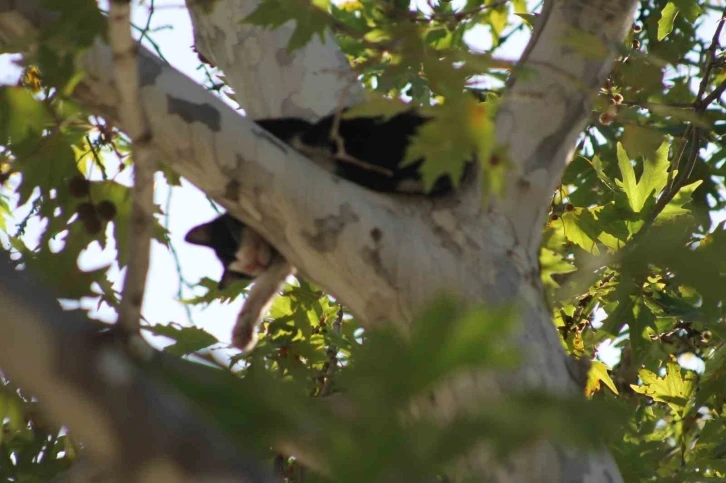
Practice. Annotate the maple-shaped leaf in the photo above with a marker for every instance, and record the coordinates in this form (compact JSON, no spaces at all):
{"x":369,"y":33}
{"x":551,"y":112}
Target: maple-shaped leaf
{"x":581,"y":228}
{"x":674,"y":389}
{"x":46,"y":163}
{"x":653,"y":179}
{"x":457,"y":130}
{"x":689,"y":9}
{"x":597,"y":374}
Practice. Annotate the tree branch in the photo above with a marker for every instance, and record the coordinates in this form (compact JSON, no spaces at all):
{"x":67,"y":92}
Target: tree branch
{"x":547,"y":107}
{"x":129,"y":425}
{"x":142,"y":209}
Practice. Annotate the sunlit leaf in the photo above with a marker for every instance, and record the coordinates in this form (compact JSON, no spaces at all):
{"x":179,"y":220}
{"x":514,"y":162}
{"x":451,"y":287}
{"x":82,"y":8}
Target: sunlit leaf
{"x":667,"y":18}
{"x":597,"y":374}
{"x":674,"y":389}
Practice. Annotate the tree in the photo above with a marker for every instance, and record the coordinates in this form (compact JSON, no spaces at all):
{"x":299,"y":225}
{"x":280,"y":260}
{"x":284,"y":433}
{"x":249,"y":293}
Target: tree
{"x":476,"y":386}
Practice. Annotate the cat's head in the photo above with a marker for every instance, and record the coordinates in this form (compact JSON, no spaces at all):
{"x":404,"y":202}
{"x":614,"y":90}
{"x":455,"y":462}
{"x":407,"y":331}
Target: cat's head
{"x":224,"y":235}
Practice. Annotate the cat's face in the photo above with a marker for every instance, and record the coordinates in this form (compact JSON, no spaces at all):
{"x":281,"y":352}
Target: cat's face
{"x":225,"y":236}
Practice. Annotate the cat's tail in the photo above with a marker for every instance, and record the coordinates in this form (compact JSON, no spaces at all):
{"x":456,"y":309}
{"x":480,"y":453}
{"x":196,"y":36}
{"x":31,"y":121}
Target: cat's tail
{"x":259,"y":297}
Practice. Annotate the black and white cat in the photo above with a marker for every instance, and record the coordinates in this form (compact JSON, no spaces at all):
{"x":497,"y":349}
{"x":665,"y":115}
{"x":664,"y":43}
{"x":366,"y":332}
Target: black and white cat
{"x":368,"y":151}
{"x":245,"y":255}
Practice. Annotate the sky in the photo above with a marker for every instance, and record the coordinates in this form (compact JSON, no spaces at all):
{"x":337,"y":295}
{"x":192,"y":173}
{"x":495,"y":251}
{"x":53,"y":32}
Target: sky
{"x":188,"y":207}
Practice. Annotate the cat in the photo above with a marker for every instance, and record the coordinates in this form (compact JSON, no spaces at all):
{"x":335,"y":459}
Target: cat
{"x":245,"y":255}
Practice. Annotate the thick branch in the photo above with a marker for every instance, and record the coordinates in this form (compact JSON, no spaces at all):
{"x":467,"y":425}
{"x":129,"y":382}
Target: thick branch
{"x":130,"y":426}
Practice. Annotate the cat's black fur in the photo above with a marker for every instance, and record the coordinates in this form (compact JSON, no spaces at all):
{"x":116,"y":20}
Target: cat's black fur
{"x":376,"y":144}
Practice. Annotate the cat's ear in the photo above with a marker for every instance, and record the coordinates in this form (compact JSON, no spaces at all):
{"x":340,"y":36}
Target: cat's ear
{"x":200,"y":235}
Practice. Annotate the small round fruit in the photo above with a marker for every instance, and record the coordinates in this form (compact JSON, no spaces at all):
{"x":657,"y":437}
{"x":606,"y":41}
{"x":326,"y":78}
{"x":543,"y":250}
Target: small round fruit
{"x":86,"y":210}
{"x":79,"y":187}
{"x":106,"y":210}
{"x":92,"y":225}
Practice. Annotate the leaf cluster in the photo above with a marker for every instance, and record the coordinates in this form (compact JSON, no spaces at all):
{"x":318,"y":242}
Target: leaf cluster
{"x":631,"y":258}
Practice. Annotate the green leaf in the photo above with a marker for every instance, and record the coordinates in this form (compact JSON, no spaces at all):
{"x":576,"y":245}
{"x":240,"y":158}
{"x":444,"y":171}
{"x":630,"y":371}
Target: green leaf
{"x":497,"y":20}
{"x":46,"y":163}
{"x":674,"y":390}
{"x":520,"y":6}
{"x":377,"y":105}
{"x":187,"y":339}
{"x":597,"y":166}
{"x":653,"y":179}
{"x":667,"y":18}
{"x":21,"y":114}
{"x":449,"y":140}
{"x":689,"y":9}
{"x":60,"y":270}
{"x":310,"y":19}
{"x":552,"y":263}
{"x":598,"y":373}
{"x":677,"y":206}
{"x":580,"y":228}
{"x":528,"y":18}
{"x":640,"y":141}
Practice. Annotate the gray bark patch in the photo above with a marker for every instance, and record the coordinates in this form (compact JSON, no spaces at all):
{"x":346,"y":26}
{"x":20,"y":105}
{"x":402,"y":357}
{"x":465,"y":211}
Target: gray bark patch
{"x":574,"y":467}
{"x":327,"y":229}
{"x":372,"y":257}
{"x":192,"y":112}
{"x":149,"y":68}
{"x":376,"y":235}
{"x":283,"y":57}
{"x":231,"y":191}
{"x":508,"y":279}
{"x":549,"y":146}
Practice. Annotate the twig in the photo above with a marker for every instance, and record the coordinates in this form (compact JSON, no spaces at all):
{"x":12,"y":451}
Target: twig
{"x":712,"y":61}
{"x":714,"y":95}
{"x":341,"y":154}
{"x":135,"y":123}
